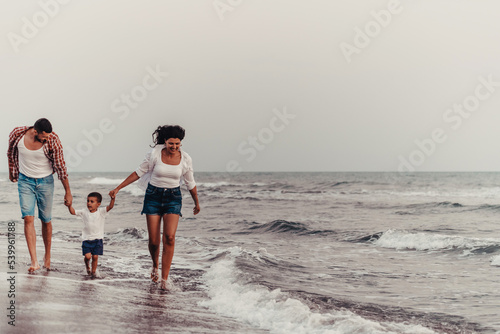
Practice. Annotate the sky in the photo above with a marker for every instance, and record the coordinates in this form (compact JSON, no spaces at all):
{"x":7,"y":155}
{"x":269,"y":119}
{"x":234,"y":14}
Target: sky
{"x":283,"y":85}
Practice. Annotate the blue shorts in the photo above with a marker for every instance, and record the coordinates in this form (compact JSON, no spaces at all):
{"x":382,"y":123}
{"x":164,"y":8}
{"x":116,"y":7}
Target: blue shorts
{"x":36,"y":191}
{"x":162,"y":201}
{"x":94,"y":247}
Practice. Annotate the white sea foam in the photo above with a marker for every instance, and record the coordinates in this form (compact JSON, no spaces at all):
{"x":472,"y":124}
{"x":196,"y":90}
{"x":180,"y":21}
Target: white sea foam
{"x":495,"y":261}
{"x":134,"y":190}
{"x":277,"y":312}
{"x":397,"y":239}
{"x":125,"y":265}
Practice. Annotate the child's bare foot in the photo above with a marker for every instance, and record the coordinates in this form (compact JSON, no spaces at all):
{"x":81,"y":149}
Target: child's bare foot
{"x":154,"y":275}
{"x":95,"y":274}
{"x":87,"y":266}
{"x":33,"y":268}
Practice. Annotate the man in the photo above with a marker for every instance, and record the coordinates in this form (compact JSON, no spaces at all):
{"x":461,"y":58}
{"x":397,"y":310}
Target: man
{"x":35,"y":153}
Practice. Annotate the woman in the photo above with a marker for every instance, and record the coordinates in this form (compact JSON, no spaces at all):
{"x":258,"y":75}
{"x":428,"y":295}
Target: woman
{"x":163,"y":167}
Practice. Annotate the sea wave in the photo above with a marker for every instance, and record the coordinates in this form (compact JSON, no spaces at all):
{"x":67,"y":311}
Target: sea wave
{"x":119,"y":236}
{"x":281,"y":226}
{"x":486,"y":207}
{"x":424,"y":241}
{"x":431,"y":207}
{"x":232,"y":295}
{"x":286,"y":227}
{"x":444,"y":207}
{"x":126,"y":235}
{"x":134,"y":190}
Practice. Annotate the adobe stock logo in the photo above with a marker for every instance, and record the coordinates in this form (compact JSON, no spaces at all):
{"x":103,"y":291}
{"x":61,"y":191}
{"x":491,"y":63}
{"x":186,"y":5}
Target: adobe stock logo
{"x":122,"y":106}
{"x":49,"y":9}
{"x":224,"y":6}
{"x":372,"y":29}
{"x":454,"y":117}
{"x":265,"y":136}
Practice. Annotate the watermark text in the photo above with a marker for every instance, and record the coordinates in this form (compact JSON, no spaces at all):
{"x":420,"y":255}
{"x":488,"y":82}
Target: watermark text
{"x":11,"y":273}
{"x":250,"y":147}
{"x":364,"y":36}
{"x":30,"y":28}
{"x":452,"y":117}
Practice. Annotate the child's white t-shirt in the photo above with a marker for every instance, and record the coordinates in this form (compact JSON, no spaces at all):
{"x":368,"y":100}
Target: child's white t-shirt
{"x":94,"y":223}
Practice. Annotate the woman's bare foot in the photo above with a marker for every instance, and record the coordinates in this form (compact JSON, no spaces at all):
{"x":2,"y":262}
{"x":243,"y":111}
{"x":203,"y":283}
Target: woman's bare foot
{"x":33,"y":268}
{"x":165,"y":285}
{"x":46,"y":262}
{"x":154,"y":275}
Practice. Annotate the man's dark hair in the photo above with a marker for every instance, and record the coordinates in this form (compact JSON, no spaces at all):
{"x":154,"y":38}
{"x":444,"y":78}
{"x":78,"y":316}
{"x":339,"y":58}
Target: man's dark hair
{"x":165,"y":132}
{"x":96,"y":195}
{"x":43,"y":125}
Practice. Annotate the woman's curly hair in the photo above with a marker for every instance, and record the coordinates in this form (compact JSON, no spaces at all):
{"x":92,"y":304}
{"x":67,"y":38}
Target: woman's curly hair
{"x":162,"y":133}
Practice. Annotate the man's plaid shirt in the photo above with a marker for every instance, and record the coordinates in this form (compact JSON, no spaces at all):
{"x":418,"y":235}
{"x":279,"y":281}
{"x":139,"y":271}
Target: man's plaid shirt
{"x":52,"y":148}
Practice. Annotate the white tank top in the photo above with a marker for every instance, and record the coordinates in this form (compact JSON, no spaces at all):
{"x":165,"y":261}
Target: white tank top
{"x":166,"y":176}
{"x":33,"y":163}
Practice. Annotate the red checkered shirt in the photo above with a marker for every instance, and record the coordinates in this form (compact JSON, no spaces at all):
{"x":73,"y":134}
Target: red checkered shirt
{"x":52,"y":148}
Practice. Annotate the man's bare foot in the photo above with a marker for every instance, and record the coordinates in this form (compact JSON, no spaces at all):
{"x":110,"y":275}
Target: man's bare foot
{"x":33,"y":268}
{"x":154,"y":275}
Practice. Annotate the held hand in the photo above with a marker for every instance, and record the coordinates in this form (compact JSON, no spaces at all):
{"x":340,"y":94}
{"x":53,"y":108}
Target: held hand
{"x":113,"y":193}
{"x":68,"y":199}
{"x":196,"y":209}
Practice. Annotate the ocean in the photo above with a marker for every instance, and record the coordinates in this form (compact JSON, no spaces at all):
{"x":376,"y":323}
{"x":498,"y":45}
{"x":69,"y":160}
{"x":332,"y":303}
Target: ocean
{"x":270,"y":253}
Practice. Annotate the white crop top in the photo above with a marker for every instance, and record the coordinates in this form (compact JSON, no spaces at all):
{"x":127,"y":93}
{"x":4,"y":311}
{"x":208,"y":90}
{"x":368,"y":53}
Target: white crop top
{"x":166,"y":176}
{"x":163,"y":175}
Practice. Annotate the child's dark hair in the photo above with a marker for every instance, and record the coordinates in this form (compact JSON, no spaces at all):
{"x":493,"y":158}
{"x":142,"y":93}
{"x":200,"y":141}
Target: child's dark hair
{"x":96,"y":195}
{"x":43,"y":125}
{"x":165,"y":132}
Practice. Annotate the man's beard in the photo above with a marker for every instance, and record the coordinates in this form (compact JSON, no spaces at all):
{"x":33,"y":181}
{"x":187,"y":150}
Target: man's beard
{"x":40,"y":141}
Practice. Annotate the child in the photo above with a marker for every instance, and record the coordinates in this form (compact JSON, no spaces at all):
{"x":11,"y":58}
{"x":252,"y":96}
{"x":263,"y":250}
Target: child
{"x":93,"y":231}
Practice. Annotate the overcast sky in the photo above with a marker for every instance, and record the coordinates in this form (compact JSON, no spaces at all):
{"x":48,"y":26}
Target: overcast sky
{"x":259,"y":85}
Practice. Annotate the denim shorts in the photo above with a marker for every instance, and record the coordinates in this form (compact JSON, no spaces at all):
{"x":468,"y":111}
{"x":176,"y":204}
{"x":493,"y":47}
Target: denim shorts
{"x":36,"y":191}
{"x":162,"y":201}
{"x":94,"y":247}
